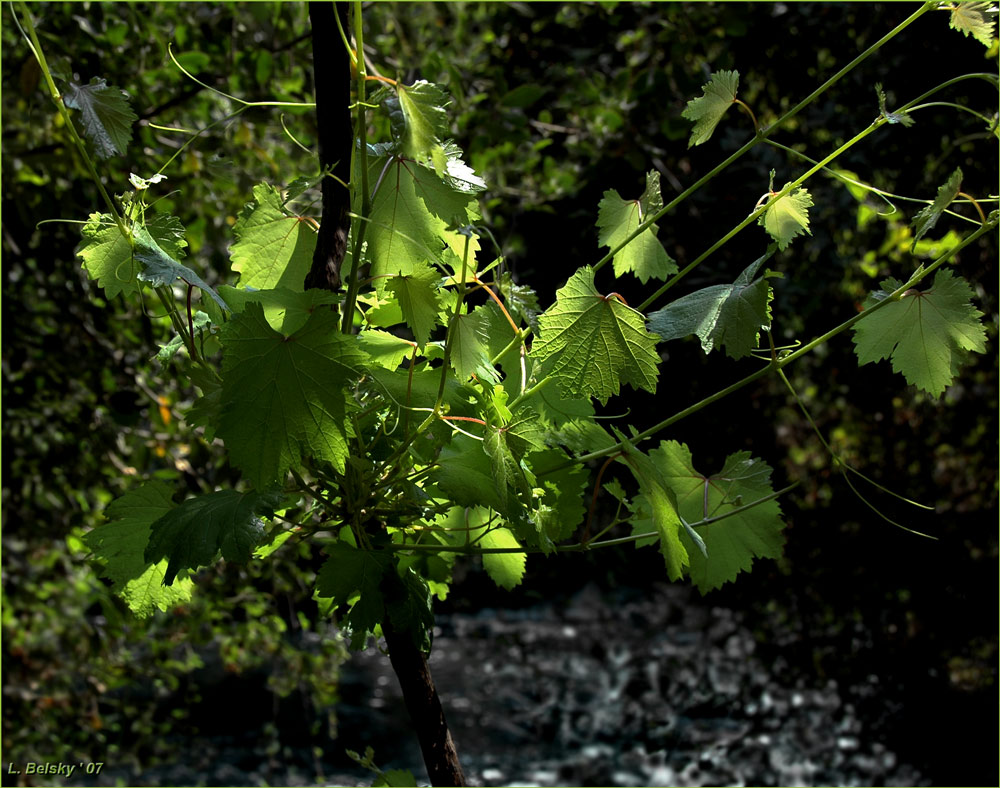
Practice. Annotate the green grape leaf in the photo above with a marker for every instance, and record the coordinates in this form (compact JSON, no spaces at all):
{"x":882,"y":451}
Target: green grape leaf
{"x":383,"y":348}
{"x":730,"y":316}
{"x":505,"y":569}
{"x":419,"y":121}
{"x":285,"y":310}
{"x":521,"y":300}
{"x":192,"y":534}
{"x":732,"y":543}
{"x":160,"y":269}
{"x":663,"y":503}
{"x":107,"y":254}
{"x":120,"y":545}
{"x":787,"y":217}
{"x":350,"y":576}
{"x":972,"y":18}
{"x":410,"y":215}
{"x":924,"y":221}
{"x":419,"y":299}
{"x":927,"y":334}
{"x":644,"y":255}
{"x":106,"y":115}
{"x":510,"y":480}
{"x":465,"y":473}
{"x":273,"y":248}
{"x":285,"y":397}
{"x":497,"y":334}
{"x":469,"y":355}
{"x":597,"y":342}
{"x":903,"y":117}
{"x":707,"y":110}
{"x":562,"y":496}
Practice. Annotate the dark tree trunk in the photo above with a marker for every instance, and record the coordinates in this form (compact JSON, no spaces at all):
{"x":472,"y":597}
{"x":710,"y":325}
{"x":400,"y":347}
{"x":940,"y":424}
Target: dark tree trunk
{"x":332,"y":83}
{"x":424,"y":706}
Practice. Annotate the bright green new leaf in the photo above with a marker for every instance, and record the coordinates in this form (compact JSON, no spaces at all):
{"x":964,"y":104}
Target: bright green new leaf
{"x":707,"y":110}
{"x":120,"y":545}
{"x":787,"y":217}
{"x":721,"y":315}
{"x":731,"y":543}
{"x":505,"y":569}
{"x":596,"y":341}
{"x":617,"y":219}
{"x":926,"y":334}
{"x":286,"y":397}
{"x":924,"y":221}
{"x":419,"y":122}
{"x":273,"y":248}
{"x":418,"y":297}
{"x":285,"y":310}
{"x":160,"y":269}
{"x":106,"y":115}
{"x":192,"y":534}
{"x":972,"y":18}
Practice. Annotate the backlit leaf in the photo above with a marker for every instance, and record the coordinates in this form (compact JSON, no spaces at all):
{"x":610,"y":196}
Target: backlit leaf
{"x":285,"y":310}
{"x":419,"y":121}
{"x":787,"y":217}
{"x":418,"y":297}
{"x":972,"y":18}
{"x":505,"y":569}
{"x":120,"y":545}
{"x":286,"y":397}
{"x":732,"y":543}
{"x":927,"y":334}
{"x":596,"y":342}
{"x":410,"y":214}
{"x":617,"y":219}
{"x":273,"y":248}
{"x":707,"y":110}
{"x":192,"y":534}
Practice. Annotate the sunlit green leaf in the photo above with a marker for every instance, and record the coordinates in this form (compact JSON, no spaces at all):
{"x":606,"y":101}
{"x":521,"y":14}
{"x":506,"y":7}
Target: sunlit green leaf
{"x":927,"y":334}
{"x":707,"y":110}
{"x":617,"y":219}
{"x":596,"y":341}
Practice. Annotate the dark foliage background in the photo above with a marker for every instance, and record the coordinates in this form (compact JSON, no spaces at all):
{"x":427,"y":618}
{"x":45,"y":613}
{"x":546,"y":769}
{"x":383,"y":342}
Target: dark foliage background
{"x":554,"y":104}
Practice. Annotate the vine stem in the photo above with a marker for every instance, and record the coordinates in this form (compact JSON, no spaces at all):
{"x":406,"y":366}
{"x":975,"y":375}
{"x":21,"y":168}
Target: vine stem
{"x":36,"y":50}
{"x":776,"y":363}
{"x":763,"y":134}
{"x":360,"y":150}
